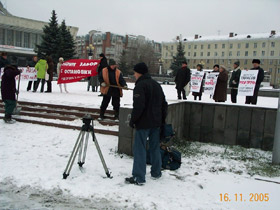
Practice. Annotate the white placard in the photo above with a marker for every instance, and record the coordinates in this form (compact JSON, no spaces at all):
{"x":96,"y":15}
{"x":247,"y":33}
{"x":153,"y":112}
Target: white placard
{"x":247,"y":82}
{"x":196,"y":79}
{"x":29,"y":74}
{"x":210,"y":83}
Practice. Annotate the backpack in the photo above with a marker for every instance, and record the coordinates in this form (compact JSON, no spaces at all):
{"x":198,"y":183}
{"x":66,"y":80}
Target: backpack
{"x":171,"y":158}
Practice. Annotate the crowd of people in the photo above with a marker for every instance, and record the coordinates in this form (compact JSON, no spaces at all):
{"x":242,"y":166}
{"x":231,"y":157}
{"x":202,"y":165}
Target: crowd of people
{"x":183,"y":80}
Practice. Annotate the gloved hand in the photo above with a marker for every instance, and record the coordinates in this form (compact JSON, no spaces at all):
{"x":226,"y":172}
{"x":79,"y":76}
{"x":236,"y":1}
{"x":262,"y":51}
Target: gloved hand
{"x":233,"y":82}
{"x":103,"y":84}
{"x":125,"y":87}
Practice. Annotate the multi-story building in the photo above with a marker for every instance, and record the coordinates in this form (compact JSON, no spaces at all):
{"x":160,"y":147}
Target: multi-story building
{"x":80,"y":42}
{"x":227,"y":49}
{"x":19,"y":36}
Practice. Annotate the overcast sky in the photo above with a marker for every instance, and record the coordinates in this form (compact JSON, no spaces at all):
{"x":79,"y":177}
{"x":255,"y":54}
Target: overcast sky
{"x":160,"y":20}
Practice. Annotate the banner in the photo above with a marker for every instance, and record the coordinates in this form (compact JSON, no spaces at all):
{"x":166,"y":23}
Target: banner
{"x":196,"y":79}
{"x":247,"y":82}
{"x":76,"y":69}
{"x":210,"y":83}
{"x":29,"y":74}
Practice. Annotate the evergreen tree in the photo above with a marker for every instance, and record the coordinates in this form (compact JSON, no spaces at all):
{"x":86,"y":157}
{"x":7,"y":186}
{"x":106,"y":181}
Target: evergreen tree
{"x":50,"y":39}
{"x":123,"y":66}
{"x":66,"y":48}
{"x":178,"y":59}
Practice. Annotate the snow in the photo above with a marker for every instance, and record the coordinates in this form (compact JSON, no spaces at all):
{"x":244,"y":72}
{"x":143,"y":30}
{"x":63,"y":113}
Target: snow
{"x":33,"y":159}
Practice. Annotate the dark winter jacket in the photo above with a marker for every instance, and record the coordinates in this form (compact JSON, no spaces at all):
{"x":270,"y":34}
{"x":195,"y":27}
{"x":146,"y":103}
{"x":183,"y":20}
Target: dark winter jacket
{"x":260,"y":76}
{"x":149,"y":104}
{"x":50,"y":70}
{"x":8,"y":84}
{"x":115,"y":92}
{"x":182,"y":78}
{"x":235,"y":76}
{"x":31,"y":63}
{"x":221,"y":87}
{"x":3,"y":62}
{"x":103,"y":64}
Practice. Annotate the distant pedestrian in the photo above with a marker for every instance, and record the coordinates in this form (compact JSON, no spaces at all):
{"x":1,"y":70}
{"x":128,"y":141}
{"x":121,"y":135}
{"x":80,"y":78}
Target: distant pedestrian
{"x":182,"y":79}
{"x":60,"y":62}
{"x":234,"y":81}
{"x":93,"y":82}
{"x":111,"y":76}
{"x":41,"y":68}
{"x":220,"y":94}
{"x":103,"y":64}
{"x":256,"y":66}
{"x":148,"y":115}
{"x":8,"y":91}
{"x":32,"y":64}
{"x":199,"y":67}
{"x":50,"y":71}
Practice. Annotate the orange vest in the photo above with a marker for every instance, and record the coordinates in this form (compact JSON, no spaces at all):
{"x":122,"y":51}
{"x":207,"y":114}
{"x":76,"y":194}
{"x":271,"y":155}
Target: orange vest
{"x":105,"y":75}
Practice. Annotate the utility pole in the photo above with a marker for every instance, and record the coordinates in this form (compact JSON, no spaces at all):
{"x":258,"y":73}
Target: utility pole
{"x":276,"y":145}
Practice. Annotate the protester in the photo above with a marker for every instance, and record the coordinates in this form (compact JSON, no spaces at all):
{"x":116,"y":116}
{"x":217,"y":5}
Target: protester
{"x":103,"y":64}
{"x":148,"y":115}
{"x":199,"y":67}
{"x":4,"y":60}
{"x":216,"y":68}
{"x":234,"y":81}
{"x":220,"y":94}
{"x":93,"y":82}
{"x":256,"y":66}
{"x":182,"y":79}
{"x":50,"y":73}
{"x":111,"y":76}
{"x":41,"y":68}
{"x":8,"y":91}
{"x":32,"y":64}
{"x":60,"y":62}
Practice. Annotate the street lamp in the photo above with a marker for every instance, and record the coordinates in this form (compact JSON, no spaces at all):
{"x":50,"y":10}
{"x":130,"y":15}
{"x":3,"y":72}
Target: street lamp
{"x":90,"y":49}
{"x":160,"y":66}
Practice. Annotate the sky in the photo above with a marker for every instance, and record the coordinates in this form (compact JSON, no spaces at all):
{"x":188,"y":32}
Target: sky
{"x":159,"y":20}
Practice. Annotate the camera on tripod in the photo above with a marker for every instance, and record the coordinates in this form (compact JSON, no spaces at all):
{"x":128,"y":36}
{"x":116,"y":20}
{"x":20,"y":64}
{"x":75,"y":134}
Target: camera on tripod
{"x":87,"y":118}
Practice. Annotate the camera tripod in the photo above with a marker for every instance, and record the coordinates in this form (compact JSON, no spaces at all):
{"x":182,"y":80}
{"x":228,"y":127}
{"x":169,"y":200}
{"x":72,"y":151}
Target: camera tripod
{"x":81,"y":146}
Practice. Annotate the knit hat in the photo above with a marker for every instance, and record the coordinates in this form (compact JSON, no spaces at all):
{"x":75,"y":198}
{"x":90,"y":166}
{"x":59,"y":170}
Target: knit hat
{"x":141,"y":68}
{"x":223,"y":67}
{"x":185,"y":62}
{"x":237,"y":63}
{"x":112,"y":62}
{"x":256,"y":61}
{"x":102,"y":55}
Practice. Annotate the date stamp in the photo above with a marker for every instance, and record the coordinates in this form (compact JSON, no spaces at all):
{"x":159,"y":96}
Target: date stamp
{"x":240,"y":197}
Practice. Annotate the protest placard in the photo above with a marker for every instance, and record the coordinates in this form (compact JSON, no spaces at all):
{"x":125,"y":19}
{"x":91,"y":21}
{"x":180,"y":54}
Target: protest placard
{"x":29,"y":74}
{"x":210,"y":82}
{"x":196,"y":79}
{"x":247,"y":82}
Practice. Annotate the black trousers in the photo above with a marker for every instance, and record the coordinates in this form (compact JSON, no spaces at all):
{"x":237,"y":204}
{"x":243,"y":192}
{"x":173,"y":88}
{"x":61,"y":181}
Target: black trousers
{"x":234,"y":95}
{"x":30,"y":85}
{"x":42,"y":85}
{"x":253,"y":99}
{"x":106,"y":100}
{"x":181,"y":91}
{"x":49,"y":86}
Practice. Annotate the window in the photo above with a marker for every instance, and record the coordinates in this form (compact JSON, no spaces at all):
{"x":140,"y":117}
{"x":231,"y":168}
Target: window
{"x":278,"y":70}
{"x":255,"y":45}
{"x":254,"y":53}
{"x":166,"y":54}
{"x":18,"y":38}
{"x":194,"y":61}
{"x":189,"y":54}
{"x":171,"y":54}
{"x":208,"y":53}
{"x":216,"y":54}
{"x":10,"y":37}
{"x":171,"y":47}
{"x":238,"y":53}
{"x":33,"y":40}
{"x":195,"y":46}
{"x":2,"y":36}
{"x":189,"y":46}
{"x":216,"y":46}
{"x":201,"y":54}
{"x":263,"y":44}
{"x":247,"y":45}
{"x":272,"y":44}
{"x":270,"y":70}
{"x":263,"y":53}
{"x":270,"y":61}
{"x":194,"y":54}
{"x":239,"y":45}
{"x":230,"y":53}
{"x":223,"y":54}
{"x":279,"y":61}
{"x":215,"y":61}
{"x":230,"y":46}
{"x":223,"y":46}
{"x":202,"y":46}
{"x":246,"y":53}
{"x":207,"y":61}
{"x":222,"y":61}
{"x":209,"y":46}
{"x":271,"y":53}
{"x":245,"y":61}
{"x":166,"y":47}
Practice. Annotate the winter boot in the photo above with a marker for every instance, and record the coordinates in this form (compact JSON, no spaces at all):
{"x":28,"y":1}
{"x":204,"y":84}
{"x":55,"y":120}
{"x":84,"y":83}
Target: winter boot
{"x":101,"y":116}
{"x":8,"y":119}
{"x":116,"y":117}
{"x":132,"y":180}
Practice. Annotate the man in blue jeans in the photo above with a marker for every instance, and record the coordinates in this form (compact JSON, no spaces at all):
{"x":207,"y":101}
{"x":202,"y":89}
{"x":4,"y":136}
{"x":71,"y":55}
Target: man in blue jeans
{"x":148,"y":115}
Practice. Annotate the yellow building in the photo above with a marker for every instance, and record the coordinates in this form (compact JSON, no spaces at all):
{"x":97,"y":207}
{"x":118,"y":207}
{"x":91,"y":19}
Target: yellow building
{"x":227,"y":49}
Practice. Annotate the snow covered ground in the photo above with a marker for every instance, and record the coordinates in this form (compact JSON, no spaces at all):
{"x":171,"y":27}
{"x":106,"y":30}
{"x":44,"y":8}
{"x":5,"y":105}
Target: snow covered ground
{"x":33,"y":158}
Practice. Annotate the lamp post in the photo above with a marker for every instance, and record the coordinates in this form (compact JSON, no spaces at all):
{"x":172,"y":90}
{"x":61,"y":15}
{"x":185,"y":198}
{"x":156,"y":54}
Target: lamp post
{"x":160,"y":66}
{"x":90,"y":49}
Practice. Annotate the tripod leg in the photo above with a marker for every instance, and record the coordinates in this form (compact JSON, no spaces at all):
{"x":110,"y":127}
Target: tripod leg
{"x":85,"y":148}
{"x":80,"y":163}
{"x":100,"y":155}
{"x":72,"y":157}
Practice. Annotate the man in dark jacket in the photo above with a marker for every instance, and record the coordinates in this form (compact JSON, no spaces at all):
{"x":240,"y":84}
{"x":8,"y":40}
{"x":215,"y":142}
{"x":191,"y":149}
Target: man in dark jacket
{"x":148,"y":115}
{"x":32,"y":64}
{"x":103,"y":64}
{"x":8,"y":91}
{"x":50,"y":72}
{"x":256,"y":66}
{"x":182,"y":78}
{"x":3,"y":60}
{"x":111,"y":76}
{"x":234,"y":81}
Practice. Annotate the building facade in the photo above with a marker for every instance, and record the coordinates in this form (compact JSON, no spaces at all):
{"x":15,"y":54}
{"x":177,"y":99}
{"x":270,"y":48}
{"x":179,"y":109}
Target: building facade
{"x":19,"y":36}
{"x":227,"y":49}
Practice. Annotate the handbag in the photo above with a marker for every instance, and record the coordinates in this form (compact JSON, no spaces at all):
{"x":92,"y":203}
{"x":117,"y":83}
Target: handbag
{"x":47,"y":76}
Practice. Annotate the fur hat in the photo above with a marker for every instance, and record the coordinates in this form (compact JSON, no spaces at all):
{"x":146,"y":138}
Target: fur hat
{"x":237,"y":63}
{"x":256,"y":61}
{"x":141,"y":68}
{"x":223,"y":67}
{"x":200,"y":65}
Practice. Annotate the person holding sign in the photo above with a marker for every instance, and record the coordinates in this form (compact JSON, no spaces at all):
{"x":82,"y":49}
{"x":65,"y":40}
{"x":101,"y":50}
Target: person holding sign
{"x":234,"y":81}
{"x":256,"y":66}
{"x":198,"y":94}
{"x":182,"y":78}
{"x":220,"y":94}
{"x":32,"y":64}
